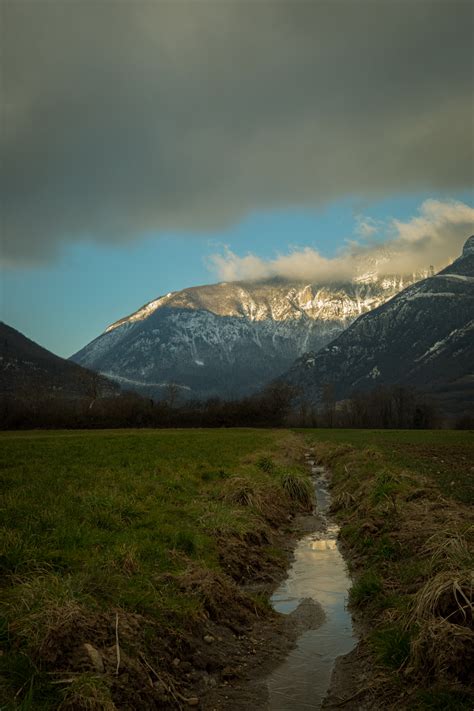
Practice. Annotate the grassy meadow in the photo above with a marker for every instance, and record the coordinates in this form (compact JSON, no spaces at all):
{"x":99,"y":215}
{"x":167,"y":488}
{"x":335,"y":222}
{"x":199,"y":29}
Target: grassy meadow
{"x":120,"y":548}
{"x":444,"y":457}
{"x":142,"y":524}
{"x":404,"y":502}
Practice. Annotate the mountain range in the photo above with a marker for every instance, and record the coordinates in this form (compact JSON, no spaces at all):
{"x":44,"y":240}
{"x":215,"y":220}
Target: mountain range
{"x":229,"y":339}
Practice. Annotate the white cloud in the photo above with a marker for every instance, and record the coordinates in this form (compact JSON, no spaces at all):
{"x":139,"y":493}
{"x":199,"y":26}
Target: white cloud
{"x":434,"y":236}
{"x":366,"y":226}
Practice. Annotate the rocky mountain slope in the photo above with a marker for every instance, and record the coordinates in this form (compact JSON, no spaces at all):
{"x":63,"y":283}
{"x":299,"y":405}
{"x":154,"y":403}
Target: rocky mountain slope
{"x":424,"y":337}
{"x":229,"y":339}
{"x":29,"y":371}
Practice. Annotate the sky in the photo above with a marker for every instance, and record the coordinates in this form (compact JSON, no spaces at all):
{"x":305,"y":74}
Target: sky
{"x":147,"y":146}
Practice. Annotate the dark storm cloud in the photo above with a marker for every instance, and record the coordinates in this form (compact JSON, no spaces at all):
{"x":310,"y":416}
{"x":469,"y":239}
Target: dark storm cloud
{"x":124,"y":117}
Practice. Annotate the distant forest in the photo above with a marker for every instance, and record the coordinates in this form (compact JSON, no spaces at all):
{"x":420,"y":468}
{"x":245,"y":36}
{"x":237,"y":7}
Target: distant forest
{"x":278,"y":405}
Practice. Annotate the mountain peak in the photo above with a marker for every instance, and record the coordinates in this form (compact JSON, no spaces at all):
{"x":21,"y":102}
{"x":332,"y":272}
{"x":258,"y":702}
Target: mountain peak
{"x":421,"y":337}
{"x":468,"y":246}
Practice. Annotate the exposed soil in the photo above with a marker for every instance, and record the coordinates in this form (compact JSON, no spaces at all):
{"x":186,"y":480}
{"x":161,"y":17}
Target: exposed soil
{"x":252,"y":656}
{"x":223,"y":663}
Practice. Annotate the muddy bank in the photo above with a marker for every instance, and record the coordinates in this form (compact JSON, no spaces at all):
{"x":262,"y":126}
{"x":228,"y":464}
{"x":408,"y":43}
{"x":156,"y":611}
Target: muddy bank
{"x":254,"y":655}
{"x":410,"y":548}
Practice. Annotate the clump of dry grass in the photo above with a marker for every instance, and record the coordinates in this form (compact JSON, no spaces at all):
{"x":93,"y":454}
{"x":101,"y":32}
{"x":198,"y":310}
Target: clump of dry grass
{"x":272,"y":506}
{"x":266,"y":501}
{"x":46,"y":615}
{"x":450,"y":548}
{"x":266,"y":464}
{"x":239,"y":491}
{"x":442,"y":614}
{"x":443,"y":651}
{"x":344,"y":500}
{"x":447,"y":596}
{"x":299,"y":489}
{"x":128,"y":562}
{"x":87,"y":692}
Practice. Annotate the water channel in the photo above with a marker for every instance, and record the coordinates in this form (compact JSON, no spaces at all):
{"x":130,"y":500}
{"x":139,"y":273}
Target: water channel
{"x":318,"y":573}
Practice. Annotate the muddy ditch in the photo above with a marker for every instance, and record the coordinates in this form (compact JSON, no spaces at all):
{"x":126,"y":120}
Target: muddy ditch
{"x":318,"y":573}
{"x":293,"y":655}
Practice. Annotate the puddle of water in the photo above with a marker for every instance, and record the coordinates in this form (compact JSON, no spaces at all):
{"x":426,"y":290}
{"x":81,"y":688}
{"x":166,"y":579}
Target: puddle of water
{"x":318,"y":572}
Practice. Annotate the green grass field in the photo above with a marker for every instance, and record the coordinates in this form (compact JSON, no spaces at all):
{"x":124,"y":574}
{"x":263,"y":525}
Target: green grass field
{"x":95,"y":498}
{"x":107,"y":520}
{"x":158,"y":528}
{"x":444,"y":456}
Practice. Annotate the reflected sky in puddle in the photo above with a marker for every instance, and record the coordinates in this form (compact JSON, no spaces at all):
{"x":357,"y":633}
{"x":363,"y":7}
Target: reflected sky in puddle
{"x":317,"y":572}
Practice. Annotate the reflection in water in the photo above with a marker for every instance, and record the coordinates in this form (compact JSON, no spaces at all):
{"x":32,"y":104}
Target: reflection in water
{"x":318,"y":572}
{"x":324,"y":545}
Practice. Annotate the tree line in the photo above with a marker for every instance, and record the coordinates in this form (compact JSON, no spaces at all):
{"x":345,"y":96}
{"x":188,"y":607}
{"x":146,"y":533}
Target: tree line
{"x":278,"y":405}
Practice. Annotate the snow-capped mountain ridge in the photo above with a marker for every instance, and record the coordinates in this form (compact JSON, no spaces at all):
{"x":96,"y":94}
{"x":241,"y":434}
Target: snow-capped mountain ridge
{"x":279,"y":302}
{"x":423,"y":336}
{"x":229,"y":339}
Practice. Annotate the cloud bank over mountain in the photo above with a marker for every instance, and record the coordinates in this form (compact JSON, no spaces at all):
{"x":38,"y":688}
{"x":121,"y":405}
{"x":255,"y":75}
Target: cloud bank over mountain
{"x":434,"y":237}
{"x":130,"y":117}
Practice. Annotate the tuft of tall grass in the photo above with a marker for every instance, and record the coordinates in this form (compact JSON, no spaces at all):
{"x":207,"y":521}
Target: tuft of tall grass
{"x":266,"y":464}
{"x":386,"y":485}
{"x":186,"y":541}
{"x":367,"y":589}
{"x":442,"y":652}
{"x":299,"y":489}
{"x":240,"y":491}
{"x":450,"y":548}
{"x":87,"y":692}
{"x":392,"y":645}
{"x":447,"y":596}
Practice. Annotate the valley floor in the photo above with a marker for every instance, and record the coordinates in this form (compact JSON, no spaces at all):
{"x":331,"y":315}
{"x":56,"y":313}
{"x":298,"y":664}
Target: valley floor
{"x":137,"y":565}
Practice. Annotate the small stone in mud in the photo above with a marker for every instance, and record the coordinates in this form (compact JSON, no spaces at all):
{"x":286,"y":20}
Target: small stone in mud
{"x":176,"y":662}
{"x":94,"y":656}
{"x":193,"y":701}
{"x":229,"y":673}
{"x":208,"y":638}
